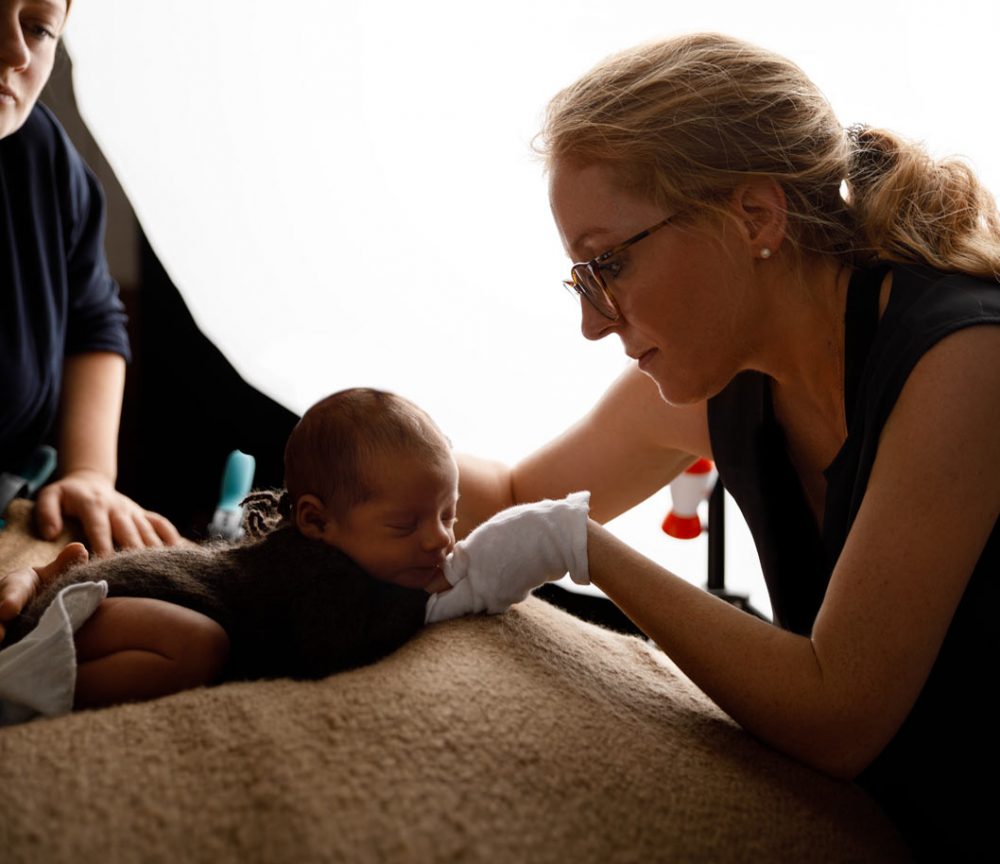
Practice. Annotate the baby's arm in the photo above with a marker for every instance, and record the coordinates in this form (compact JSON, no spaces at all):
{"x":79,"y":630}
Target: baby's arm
{"x":517,"y":550}
{"x":135,"y":648}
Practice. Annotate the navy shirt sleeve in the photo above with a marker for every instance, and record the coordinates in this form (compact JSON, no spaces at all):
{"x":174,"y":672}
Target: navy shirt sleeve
{"x":57,"y":297}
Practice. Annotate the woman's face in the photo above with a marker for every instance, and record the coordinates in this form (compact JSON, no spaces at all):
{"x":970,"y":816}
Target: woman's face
{"x":29,"y":30}
{"x":683,"y":291}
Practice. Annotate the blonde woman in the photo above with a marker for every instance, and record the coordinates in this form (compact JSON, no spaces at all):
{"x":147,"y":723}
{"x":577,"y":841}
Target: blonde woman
{"x":814,"y":308}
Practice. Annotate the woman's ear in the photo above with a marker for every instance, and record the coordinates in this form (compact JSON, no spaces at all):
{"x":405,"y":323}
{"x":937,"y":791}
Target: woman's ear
{"x":760,"y":206}
{"x":311,"y":517}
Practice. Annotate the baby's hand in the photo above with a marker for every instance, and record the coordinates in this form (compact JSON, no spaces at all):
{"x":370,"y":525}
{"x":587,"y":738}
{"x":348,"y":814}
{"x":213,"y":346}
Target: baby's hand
{"x":517,"y":550}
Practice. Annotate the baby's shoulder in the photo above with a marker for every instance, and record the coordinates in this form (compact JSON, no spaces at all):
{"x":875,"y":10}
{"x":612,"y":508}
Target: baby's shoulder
{"x":288,"y":554}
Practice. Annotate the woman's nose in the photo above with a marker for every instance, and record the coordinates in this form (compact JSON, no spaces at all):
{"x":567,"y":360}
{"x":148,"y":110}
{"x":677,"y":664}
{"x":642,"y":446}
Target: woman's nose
{"x":593,"y":324}
{"x":14,"y":53}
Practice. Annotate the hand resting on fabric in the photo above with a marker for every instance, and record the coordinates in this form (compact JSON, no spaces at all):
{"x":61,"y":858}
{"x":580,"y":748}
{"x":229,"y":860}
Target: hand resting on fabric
{"x":18,"y":588}
{"x":519,"y":549}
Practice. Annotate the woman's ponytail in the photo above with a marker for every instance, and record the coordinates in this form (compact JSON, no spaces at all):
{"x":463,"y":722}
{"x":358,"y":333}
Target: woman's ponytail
{"x":909,"y":208}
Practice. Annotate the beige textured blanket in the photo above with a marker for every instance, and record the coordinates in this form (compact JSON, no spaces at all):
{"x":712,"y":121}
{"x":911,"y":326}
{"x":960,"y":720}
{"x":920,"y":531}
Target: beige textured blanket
{"x":529,"y":736}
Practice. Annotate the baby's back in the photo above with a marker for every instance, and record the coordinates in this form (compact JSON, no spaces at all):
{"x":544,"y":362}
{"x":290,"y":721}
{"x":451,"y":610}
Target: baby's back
{"x":292,"y":607}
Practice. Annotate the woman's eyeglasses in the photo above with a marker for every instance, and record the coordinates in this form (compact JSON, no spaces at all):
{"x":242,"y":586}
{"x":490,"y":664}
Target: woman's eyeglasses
{"x":587,"y":281}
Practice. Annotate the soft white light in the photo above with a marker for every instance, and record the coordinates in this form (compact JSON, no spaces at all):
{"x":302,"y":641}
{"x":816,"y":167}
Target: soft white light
{"x":345,"y":194}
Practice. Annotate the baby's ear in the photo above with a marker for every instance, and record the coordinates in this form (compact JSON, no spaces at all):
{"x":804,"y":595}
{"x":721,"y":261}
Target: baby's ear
{"x":311,"y":517}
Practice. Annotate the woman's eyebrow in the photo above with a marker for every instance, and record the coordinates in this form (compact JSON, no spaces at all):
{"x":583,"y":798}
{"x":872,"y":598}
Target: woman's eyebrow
{"x":586,"y":240}
{"x":58,"y":10}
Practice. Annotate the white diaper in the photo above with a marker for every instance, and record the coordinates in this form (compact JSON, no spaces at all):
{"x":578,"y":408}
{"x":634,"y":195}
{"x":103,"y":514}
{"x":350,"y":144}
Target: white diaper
{"x":38,"y":674}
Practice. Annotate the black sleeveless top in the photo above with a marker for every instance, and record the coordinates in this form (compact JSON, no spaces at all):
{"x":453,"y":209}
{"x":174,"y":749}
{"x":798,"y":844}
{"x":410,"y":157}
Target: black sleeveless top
{"x":925,"y":776}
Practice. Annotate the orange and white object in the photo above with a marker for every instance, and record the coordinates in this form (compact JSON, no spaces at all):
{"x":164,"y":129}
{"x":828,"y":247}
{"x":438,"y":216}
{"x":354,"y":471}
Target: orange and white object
{"x":687,"y":491}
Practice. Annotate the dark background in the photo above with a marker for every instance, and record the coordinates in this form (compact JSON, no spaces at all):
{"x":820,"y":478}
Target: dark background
{"x":186,"y":407}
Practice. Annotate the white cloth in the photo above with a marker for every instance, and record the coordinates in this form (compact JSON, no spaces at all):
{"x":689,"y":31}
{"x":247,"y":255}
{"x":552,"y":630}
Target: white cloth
{"x":508,"y":556}
{"x":38,"y":674}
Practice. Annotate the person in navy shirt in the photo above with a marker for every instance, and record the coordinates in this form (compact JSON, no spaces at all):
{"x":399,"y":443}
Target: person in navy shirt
{"x":63,"y":343}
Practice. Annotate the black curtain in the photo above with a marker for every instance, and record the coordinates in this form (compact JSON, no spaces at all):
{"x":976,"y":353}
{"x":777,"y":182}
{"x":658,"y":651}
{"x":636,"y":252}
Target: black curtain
{"x":186,"y":409}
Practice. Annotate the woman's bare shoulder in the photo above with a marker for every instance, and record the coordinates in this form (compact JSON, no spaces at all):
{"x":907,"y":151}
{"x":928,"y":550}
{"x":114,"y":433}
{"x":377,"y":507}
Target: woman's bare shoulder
{"x":931,"y":504}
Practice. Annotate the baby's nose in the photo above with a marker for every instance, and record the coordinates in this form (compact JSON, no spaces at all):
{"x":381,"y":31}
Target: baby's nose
{"x":437,"y":536}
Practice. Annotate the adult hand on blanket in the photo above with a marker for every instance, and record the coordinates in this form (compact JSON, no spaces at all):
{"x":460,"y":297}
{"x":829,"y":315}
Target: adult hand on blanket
{"x":18,"y":588}
{"x":108,"y":518}
{"x":517,"y":550}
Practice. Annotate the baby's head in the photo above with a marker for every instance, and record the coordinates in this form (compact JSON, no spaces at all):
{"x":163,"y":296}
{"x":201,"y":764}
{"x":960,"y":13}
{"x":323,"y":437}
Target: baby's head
{"x":370,"y":473}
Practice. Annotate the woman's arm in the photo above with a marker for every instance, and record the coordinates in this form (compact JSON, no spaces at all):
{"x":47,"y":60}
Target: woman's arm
{"x":88,"y":453}
{"x":834,"y":700}
{"x":630,"y":445}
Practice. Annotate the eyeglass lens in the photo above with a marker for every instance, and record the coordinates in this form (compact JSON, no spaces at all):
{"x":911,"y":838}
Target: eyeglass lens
{"x":589,"y":286}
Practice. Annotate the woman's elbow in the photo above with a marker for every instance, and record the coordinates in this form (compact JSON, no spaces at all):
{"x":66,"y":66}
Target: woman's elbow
{"x":842,"y":747}
{"x":842,"y":764}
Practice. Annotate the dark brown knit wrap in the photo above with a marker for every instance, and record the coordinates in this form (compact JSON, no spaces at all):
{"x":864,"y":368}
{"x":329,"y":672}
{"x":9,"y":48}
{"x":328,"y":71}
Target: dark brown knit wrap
{"x":292,"y":607}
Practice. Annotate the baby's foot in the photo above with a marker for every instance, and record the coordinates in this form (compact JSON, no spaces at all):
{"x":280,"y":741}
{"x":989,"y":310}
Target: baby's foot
{"x":17,"y":588}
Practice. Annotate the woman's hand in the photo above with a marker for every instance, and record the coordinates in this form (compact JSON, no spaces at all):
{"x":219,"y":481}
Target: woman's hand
{"x":108,"y":518}
{"x":17,"y":589}
{"x":88,"y":450}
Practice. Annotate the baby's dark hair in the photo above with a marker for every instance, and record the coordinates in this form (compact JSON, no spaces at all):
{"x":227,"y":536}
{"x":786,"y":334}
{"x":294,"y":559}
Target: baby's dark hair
{"x":333,"y":449}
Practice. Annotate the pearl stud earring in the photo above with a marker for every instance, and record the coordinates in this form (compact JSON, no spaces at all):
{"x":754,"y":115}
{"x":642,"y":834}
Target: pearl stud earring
{"x":765,"y":253}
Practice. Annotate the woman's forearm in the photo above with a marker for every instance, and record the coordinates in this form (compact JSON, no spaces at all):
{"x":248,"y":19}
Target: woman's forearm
{"x":88,"y":458}
{"x":90,"y":412}
{"x":484,"y":489}
{"x":767,"y":679}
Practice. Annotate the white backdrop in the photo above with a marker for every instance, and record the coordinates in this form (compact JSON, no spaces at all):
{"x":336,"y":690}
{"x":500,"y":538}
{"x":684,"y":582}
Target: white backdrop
{"x":344,"y":191}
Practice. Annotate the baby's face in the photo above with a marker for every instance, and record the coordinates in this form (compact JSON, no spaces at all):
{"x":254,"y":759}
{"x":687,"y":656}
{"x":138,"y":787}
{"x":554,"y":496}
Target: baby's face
{"x":403,"y":533}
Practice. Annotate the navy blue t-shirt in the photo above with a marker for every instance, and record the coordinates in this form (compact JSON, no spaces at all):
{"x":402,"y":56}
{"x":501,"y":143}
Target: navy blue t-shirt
{"x":57,"y":297}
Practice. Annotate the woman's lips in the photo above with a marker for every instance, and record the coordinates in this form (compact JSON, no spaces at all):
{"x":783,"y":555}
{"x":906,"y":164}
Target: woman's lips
{"x":646,"y":359}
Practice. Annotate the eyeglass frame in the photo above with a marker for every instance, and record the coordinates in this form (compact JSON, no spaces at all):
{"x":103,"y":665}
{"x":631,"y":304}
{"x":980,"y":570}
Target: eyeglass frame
{"x":576,"y":285}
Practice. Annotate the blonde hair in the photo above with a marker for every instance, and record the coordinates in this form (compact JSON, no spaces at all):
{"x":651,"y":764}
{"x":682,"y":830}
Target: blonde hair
{"x":683,"y":121}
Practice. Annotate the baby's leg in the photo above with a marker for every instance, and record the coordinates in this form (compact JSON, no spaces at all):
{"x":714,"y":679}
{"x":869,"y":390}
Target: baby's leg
{"x":135,"y":648}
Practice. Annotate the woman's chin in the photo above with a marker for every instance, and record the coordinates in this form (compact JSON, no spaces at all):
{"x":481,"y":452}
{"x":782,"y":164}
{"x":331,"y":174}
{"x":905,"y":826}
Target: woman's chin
{"x":680,"y":390}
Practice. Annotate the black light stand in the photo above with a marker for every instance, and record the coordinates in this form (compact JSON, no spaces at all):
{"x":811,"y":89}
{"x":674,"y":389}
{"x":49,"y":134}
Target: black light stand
{"x":717,"y":553}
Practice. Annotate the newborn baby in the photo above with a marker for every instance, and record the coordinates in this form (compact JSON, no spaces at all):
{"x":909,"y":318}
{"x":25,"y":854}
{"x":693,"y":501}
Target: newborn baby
{"x":365,"y":533}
